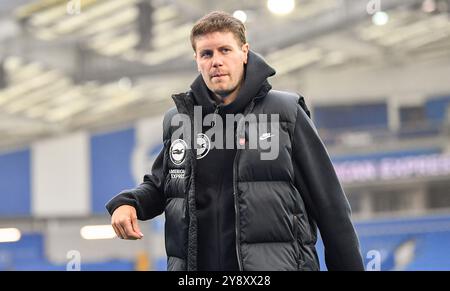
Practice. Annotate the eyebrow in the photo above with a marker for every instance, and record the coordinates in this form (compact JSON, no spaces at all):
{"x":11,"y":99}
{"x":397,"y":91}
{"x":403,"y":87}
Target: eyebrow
{"x":220,"y":47}
{"x":205,"y":50}
{"x":225,"y":46}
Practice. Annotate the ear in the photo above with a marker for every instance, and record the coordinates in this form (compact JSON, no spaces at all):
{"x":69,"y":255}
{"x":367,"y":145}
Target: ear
{"x":245,"y":48}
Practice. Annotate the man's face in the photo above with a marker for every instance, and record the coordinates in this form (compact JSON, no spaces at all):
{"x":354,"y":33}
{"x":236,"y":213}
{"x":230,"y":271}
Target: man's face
{"x":220,"y":59}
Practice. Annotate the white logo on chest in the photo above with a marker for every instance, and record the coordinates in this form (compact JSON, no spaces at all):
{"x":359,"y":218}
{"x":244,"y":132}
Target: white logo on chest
{"x":177,"y":152}
{"x":203,"y":145}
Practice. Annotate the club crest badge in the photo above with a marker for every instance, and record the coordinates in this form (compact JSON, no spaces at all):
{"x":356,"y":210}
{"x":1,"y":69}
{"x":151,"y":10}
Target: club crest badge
{"x":177,"y":151}
{"x":203,"y":145}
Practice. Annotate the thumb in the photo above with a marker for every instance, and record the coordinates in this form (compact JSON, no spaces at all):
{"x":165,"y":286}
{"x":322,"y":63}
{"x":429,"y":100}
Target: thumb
{"x":135,"y":225}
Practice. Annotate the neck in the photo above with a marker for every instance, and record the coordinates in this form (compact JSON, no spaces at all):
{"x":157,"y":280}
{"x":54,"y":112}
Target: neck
{"x":229,"y":98}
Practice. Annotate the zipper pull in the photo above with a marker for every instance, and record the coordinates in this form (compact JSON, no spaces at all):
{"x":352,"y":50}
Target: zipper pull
{"x":216,"y":111}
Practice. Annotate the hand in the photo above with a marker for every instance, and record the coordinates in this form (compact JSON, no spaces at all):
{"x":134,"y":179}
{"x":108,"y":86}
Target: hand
{"x":124,"y":222}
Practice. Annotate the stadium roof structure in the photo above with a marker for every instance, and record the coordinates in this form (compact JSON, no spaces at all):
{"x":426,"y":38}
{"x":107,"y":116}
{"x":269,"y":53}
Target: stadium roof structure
{"x":86,"y":64}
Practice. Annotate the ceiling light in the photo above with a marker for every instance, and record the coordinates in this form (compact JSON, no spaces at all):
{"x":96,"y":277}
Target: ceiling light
{"x":9,"y":235}
{"x":241,"y":15}
{"x":281,"y":7}
{"x":97,"y":232}
{"x":124,"y":84}
{"x":380,"y":18}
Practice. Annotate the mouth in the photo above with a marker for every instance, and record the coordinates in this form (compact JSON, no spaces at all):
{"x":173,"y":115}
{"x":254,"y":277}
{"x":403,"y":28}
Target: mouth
{"x":218,"y":75}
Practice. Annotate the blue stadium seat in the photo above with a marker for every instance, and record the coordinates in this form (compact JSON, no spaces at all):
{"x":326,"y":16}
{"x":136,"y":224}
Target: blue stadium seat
{"x":432,"y":253}
{"x":429,"y":237}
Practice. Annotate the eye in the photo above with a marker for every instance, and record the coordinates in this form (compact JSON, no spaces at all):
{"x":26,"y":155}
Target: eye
{"x":206,"y":54}
{"x":226,"y":50}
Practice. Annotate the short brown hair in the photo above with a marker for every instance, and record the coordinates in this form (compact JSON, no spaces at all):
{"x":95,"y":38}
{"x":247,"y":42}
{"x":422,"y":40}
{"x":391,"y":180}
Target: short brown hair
{"x":218,"y":21}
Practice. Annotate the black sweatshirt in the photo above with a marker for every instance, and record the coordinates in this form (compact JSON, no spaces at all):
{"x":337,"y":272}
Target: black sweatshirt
{"x":215,"y":201}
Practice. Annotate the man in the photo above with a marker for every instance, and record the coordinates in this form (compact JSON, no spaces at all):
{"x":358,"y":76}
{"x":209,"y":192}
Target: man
{"x":228,"y":208}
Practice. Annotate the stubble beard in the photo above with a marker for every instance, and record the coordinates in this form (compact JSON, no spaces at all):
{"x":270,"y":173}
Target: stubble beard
{"x":224,"y":93}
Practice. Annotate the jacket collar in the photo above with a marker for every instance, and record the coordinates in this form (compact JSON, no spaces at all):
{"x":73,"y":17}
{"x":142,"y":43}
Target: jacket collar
{"x":255,"y":85}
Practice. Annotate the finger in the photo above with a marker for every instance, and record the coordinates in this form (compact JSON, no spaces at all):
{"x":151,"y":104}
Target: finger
{"x":122,"y":232}
{"x":113,"y":224}
{"x":116,"y":231}
{"x":130,"y":233}
{"x":135,"y":225}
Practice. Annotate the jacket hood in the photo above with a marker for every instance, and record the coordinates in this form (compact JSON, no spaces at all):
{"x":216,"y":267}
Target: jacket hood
{"x":254,"y":84}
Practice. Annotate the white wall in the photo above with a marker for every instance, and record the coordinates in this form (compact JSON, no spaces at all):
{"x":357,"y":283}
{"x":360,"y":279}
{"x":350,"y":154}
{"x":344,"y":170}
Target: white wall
{"x":61,"y":176}
{"x":407,"y":82}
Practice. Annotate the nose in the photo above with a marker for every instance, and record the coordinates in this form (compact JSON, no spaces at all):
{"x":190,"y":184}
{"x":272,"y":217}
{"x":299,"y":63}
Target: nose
{"x":217,"y":61}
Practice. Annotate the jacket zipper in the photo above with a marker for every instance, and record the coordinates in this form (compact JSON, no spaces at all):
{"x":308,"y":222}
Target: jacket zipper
{"x":236,"y":192}
{"x":236,"y":211}
{"x":296,"y":247}
{"x":236,"y":202}
{"x":181,"y":104}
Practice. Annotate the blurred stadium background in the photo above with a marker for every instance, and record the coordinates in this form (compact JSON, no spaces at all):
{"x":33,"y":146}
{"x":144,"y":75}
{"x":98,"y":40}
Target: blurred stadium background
{"x":84,"y":85}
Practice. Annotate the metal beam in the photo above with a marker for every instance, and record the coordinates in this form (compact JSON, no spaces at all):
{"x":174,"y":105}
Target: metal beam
{"x":347,"y":14}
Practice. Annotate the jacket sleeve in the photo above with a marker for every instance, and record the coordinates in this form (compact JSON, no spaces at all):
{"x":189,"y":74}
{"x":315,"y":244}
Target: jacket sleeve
{"x":148,"y":198}
{"x":324,"y":197}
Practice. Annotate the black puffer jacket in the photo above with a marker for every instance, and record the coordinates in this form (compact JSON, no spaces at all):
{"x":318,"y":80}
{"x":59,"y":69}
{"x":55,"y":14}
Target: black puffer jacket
{"x":278,"y":203}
